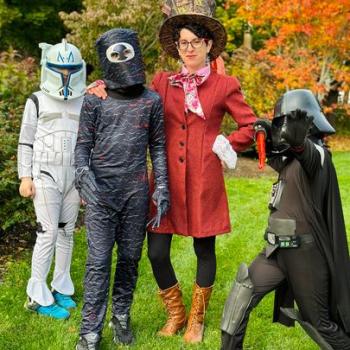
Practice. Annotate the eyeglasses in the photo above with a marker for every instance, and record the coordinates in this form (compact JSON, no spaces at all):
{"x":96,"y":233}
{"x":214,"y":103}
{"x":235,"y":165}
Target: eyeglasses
{"x":195,"y":43}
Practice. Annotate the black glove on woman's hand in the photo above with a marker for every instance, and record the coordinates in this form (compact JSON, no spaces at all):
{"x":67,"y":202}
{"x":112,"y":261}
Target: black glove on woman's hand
{"x":264,"y":125}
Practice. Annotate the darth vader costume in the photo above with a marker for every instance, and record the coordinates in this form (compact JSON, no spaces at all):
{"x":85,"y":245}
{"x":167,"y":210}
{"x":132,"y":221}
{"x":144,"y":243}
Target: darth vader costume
{"x":111,"y":176}
{"x":306,"y":259}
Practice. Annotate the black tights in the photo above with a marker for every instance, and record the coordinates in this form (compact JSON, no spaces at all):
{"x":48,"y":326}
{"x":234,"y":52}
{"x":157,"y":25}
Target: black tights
{"x":159,"y":255}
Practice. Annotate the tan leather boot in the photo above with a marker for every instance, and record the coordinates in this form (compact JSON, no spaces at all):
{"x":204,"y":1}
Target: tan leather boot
{"x":172,"y":299}
{"x":195,"y":324}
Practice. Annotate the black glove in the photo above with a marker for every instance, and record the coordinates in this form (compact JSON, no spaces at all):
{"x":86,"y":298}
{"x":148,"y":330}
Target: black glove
{"x":85,"y":183}
{"x":265,"y":126}
{"x":161,"y":199}
{"x":296,"y":128}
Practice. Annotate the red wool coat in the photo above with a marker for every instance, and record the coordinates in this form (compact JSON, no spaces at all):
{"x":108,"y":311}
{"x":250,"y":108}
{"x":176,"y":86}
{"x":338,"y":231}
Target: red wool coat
{"x":198,"y":202}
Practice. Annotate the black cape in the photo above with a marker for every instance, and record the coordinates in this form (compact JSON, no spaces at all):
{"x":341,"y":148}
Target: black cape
{"x":320,"y":189}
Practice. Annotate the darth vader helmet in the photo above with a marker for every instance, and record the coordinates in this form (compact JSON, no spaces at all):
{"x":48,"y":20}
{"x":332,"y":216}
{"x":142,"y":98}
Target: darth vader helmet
{"x":303,"y":100}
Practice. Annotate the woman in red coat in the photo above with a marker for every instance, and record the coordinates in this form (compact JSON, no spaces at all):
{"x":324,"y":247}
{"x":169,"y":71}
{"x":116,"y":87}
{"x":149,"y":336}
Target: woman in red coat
{"x":195,"y":101}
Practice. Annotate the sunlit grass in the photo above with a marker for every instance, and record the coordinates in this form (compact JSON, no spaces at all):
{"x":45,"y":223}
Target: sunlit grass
{"x":248,"y":198}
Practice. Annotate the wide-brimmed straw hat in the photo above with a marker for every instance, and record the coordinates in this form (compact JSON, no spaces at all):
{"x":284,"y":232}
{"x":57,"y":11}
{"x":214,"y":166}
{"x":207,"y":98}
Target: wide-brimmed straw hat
{"x":182,"y":12}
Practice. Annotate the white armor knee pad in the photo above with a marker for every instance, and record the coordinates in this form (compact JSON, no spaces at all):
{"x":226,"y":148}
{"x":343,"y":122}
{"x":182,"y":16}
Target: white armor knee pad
{"x":47,"y":234}
{"x":66,"y":229}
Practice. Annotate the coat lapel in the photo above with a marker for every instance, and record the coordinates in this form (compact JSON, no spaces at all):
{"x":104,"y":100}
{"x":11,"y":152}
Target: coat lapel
{"x":175,"y":101}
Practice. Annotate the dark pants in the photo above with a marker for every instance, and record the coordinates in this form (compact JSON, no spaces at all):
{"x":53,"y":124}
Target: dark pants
{"x":159,"y":255}
{"x":307,"y":273}
{"x":105,"y":227}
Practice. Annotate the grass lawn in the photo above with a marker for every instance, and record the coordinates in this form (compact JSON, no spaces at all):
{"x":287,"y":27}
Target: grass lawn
{"x":248,"y":197}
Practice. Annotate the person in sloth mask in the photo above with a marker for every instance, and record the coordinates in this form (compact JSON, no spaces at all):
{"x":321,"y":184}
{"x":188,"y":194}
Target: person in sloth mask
{"x":111,"y":176}
{"x":306,"y":258}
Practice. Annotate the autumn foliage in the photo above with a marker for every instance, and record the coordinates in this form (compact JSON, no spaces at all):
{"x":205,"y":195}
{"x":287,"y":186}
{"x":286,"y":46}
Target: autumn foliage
{"x":307,"y":43}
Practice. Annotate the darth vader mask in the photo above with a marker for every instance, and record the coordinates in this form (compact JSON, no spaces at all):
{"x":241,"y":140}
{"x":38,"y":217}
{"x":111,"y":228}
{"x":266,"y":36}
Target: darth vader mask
{"x":278,"y":129}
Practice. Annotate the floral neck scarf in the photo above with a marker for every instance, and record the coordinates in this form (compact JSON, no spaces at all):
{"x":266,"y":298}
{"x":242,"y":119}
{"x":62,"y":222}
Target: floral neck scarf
{"x":189,"y":83}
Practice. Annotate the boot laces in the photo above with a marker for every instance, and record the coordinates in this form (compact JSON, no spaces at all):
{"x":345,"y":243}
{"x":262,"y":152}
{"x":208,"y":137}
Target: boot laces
{"x":195,"y":316}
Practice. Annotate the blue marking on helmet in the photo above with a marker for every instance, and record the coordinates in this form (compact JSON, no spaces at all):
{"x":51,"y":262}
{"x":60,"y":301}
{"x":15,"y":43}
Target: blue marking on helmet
{"x":65,"y":92}
{"x":60,"y":57}
{"x":65,"y":89}
{"x":68,"y":66}
{"x":71,"y":57}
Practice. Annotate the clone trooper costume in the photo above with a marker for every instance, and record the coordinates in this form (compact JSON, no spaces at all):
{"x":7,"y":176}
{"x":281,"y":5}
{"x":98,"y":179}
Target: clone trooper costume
{"x":306,"y":259}
{"x":45,"y":155}
{"x":111,"y":176}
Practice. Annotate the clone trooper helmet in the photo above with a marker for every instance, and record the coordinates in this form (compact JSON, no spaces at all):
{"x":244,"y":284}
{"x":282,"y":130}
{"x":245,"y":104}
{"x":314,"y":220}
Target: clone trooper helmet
{"x":63,"y":71}
{"x":291,"y":101}
{"x":121,"y":59}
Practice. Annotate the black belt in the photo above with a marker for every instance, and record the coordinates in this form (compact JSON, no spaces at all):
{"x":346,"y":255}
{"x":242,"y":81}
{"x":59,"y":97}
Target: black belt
{"x":285,"y":241}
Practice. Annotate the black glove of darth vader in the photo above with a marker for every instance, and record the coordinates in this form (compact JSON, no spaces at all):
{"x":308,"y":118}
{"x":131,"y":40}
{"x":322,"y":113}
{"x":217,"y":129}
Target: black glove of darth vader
{"x":296,"y":128}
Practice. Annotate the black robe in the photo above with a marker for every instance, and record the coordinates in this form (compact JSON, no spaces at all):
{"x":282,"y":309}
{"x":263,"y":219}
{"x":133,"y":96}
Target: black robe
{"x":319,"y":185}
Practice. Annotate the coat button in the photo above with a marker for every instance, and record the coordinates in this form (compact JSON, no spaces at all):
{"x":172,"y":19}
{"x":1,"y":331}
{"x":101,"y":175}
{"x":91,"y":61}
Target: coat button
{"x":181,"y":159}
{"x":182,"y":143}
{"x":183,"y":126}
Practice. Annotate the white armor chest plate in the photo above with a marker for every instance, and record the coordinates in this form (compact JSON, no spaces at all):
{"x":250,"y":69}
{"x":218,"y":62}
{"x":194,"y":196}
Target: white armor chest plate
{"x":58,"y":124}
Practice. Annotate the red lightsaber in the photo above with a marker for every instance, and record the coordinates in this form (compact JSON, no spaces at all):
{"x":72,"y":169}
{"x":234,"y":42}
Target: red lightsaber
{"x":260,"y":143}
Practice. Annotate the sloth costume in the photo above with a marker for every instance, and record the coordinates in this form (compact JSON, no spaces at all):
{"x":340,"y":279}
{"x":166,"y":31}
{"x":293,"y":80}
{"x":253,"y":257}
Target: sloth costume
{"x":111,"y":176}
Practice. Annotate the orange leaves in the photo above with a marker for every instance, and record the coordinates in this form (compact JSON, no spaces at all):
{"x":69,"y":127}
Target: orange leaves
{"x":327,"y":109}
{"x":322,"y":19}
{"x":307,"y":41}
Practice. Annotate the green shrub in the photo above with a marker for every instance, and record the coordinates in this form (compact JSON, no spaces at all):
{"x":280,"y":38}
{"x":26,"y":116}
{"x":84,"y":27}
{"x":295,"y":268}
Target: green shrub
{"x":23,"y":24}
{"x":98,"y":16}
{"x":18,"y":79}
